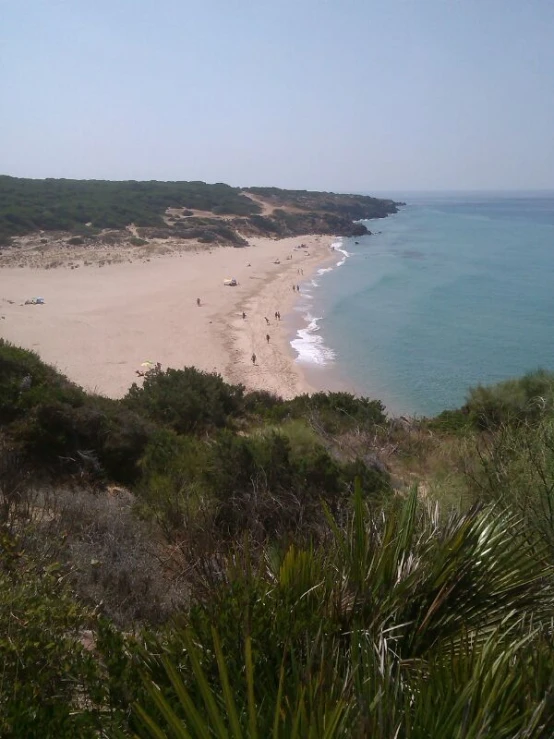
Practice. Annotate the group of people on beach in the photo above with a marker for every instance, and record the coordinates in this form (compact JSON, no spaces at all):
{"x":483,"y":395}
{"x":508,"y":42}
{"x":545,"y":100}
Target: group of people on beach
{"x":277,"y":316}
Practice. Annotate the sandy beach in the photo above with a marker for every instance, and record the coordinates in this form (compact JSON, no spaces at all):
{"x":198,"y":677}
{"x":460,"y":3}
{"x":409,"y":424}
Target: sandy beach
{"x":98,"y":324}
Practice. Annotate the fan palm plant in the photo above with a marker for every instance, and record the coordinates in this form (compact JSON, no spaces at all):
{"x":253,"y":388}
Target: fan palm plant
{"x":400,"y":626}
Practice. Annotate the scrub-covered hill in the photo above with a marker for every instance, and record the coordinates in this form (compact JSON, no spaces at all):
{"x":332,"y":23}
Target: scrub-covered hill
{"x":188,"y":210}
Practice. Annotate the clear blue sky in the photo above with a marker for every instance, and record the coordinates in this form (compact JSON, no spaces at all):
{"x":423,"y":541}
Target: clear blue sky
{"x":325,"y":94}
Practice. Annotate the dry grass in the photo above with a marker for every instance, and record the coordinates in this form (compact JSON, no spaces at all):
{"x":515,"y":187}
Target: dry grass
{"x":113,"y":558}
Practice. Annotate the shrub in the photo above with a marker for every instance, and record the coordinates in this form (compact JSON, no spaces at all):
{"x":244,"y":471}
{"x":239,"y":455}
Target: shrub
{"x":516,"y":471}
{"x":187,"y":400}
{"x":334,"y":412}
{"x":26,"y":382}
{"x":258,"y":402}
{"x":525,"y":399}
{"x":172,"y":486}
{"x":114,"y":557}
{"x":16,"y":497}
{"x":95,"y":439}
{"x":451,"y":421}
{"x":270,"y":487}
{"x":75,"y":241}
{"x":50,"y":684}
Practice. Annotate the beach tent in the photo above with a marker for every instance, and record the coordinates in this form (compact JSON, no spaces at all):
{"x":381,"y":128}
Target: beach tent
{"x":230,"y":281}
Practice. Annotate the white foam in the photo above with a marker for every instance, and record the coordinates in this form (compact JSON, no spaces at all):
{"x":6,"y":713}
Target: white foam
{"x":342,"y":251}
{"x":337,"y":246}
{"x":309,"y":345}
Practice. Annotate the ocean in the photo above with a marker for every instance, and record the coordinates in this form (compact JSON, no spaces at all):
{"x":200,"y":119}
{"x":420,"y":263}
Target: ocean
{"x":453,"y":291}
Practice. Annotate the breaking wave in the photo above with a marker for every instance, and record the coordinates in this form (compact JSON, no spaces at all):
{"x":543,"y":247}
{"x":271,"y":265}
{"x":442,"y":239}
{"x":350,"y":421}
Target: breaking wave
{"x":308,"y":342}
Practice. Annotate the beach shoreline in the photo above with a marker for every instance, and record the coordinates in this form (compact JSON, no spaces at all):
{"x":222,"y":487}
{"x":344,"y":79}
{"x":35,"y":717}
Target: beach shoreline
{"x":98,"y":326}
{"x":277,"y":369}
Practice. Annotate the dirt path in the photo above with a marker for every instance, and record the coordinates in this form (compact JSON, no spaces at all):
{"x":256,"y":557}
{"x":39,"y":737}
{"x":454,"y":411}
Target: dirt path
{"x":267,"y":209}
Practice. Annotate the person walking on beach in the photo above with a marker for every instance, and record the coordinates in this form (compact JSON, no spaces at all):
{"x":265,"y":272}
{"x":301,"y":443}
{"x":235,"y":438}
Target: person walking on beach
{"x":297,"y":289}
{"x":253,"y":358}
{"x":266,"y":320}
{"x":275,"y":314}
{"x":198,"y":302}
{"x":243,"y":315}
{"x":267,"y":337}
{"x":278,"y":315}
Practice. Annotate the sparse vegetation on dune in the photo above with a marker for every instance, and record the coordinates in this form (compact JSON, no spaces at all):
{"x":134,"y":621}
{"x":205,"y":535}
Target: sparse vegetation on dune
{"x":195,"y":560}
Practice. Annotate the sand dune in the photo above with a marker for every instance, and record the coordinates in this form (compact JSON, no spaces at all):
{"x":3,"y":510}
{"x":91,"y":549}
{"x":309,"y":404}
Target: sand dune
{"x":99,"y":324}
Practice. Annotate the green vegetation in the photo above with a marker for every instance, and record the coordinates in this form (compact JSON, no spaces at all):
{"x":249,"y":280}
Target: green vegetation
{"x":83,"y":207}
{"x":354,"y":207}
{"x":304,"y":568}
{"x":63,"y":205}
{"x":49,"y":681}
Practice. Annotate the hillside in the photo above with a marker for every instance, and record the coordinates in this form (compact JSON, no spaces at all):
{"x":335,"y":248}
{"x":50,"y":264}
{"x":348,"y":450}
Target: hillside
{"x":194,"y":560}
{"x":207,"y":213}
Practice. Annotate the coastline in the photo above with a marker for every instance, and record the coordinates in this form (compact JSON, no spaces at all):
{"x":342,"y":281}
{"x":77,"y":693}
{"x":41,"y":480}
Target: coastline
{"x":99,"y":325}
{"x":276,"y":369}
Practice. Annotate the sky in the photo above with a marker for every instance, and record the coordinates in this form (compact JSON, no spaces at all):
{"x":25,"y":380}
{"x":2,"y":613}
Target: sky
{"x":345,"y":95}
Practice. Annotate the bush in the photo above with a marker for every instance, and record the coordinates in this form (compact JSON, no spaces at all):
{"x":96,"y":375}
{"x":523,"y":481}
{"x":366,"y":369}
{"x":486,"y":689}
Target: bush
{"x":523,"y":400}
{"x":334,"y":412}
{"x":50,"y":684}
{"x":113,"y":556}
{"x":59,"y":425}
{"x":26,"y":382}
{"x":515,"y":470}
{"x":451,"y":421}
{"x":75,"y":241}
{"x":268,"y":486}
{"x":258,"y":402}
{"x":263,"y":484}
{"x":172,"y":486}
{"x":101,"y":440}
{"x":187,"y":400}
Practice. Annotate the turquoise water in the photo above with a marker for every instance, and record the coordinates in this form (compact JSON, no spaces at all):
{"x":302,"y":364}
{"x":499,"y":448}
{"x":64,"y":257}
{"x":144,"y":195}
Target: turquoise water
{"x":451,"y":292}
